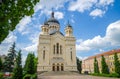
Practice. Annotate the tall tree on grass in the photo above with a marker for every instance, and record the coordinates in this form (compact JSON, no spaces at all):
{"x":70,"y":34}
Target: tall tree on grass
{"x":79,"y":65}
{"x":96,"y":68}
{"x":29,"y":67}
{"x":9,"y":59}
{"x":116,"y":64}
{"x":35,"y":62}
{"x":105,"y":69}
{"x":11,"y":12}
{"x":18,"y":67}
{"x":0,"y":64}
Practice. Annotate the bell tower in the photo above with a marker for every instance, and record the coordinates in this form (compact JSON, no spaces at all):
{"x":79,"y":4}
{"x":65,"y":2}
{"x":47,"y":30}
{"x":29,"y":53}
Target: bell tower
{"x":69,"y":30}
{"x":45,"y":29}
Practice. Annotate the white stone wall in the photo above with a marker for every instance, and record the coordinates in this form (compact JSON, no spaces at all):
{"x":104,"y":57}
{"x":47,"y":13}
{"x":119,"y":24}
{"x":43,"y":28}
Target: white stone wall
{"x":46,"y":43}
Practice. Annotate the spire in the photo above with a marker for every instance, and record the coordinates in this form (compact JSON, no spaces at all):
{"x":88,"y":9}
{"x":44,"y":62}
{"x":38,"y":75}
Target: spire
{"x":52,"y":14}
{"x":68,"y":25}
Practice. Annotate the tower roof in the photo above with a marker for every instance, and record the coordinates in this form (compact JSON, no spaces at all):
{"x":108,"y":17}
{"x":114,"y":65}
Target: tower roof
{"x":52,"y":19}
{"x":68,"y":25}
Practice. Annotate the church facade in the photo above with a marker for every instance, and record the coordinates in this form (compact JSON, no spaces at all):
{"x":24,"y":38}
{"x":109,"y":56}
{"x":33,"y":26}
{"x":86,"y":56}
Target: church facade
{"x":56,"y":51}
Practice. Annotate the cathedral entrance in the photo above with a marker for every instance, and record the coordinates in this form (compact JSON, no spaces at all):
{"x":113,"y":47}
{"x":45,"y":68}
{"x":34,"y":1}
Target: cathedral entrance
{"x":57,"y":67}
{"x":53,"y":68}
{"x":62,"y":67}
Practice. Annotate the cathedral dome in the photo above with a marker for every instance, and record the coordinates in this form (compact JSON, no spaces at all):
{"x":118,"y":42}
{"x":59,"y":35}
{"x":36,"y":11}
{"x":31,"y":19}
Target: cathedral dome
{"x":52,"y":19}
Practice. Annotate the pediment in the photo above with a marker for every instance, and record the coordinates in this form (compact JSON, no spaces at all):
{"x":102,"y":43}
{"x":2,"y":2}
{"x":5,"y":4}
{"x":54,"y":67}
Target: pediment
{"x":58,"y":36}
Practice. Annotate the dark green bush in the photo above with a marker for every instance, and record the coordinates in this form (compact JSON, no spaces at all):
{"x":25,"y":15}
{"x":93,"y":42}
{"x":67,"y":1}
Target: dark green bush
{"x":113,"y":75}
{"x":106,"y":75}
{"x":29,"y":76}
{"x":1,"y":75}
{"x":34,"y":76}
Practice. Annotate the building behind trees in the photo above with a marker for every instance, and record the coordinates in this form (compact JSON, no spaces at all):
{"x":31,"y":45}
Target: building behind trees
{"x":88,"y":64}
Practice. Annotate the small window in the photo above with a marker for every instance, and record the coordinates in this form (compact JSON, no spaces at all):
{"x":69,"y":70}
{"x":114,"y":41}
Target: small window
{"x":54,"y":49}
{"x":44,"y":54}
{"x":60,"y":49}
{"x":57,"y":48}
{"x":71,"y":55}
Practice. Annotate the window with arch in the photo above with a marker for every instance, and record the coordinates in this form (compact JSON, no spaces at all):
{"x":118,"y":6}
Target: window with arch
{"x":54,"y":49}
{"x":43,"y":54}
{"x":71,"y":55}
{"x":57,"y":48}
{"x":60,"y":49}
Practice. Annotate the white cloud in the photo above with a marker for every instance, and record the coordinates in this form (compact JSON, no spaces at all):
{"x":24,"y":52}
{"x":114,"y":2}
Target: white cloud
{"x":111,"y":39}
{"x":97,"y":12}
{"x":48,"y":5}
{"x":82,"y":58}
{"x":105,"y":2}
{"x":5,"y":45}
{"x":81,"y":5}
{"x":89,"y":5}
{"x":21,"y":26}
{"x":30,"y":48}
{"x":59,"y":15}
{"x":34,"y":42}
{"x":113,"y":33}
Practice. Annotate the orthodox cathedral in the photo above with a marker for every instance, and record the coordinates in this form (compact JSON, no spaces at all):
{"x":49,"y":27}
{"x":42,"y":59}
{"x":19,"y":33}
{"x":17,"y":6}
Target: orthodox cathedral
{"x":56,"y":51}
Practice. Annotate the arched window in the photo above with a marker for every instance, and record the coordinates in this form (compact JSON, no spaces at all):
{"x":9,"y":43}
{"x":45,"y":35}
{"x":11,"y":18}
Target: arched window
{"x":43,"y":54}
{"x":54,"y":49}
{"x":57,"y":48}
{"x":60,"y":49}
{"x":71,"y":55}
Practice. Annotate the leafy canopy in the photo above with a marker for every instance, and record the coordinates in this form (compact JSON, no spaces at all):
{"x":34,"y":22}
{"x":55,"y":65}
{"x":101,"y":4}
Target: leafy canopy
{"x":11,"y":12}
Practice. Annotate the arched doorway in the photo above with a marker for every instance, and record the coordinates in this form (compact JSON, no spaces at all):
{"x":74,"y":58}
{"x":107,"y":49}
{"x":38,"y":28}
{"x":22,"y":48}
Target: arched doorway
{"x":62,"y":68}
{"x":53,"y":67}
{"x":58,"y":67}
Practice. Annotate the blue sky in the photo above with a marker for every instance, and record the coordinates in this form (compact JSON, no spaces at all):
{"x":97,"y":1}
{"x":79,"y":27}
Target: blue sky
{"x":96,"y":25}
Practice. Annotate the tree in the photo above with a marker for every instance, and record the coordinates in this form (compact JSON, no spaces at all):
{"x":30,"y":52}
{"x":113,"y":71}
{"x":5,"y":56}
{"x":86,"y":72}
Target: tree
{"x":29,"y":68}
{"x":18,"y":67}
{"x":11,"y":12}
{"x":96,"y":68}
{"x":116,"y":64}
{"x":79,"y":67}
{"x":35,"y":62}
{"x":0,"y":64}
{"x":9,"y":59}
{"x":105,"y":69}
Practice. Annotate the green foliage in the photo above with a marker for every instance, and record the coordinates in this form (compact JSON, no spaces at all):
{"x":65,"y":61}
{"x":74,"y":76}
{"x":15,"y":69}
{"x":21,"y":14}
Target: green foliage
{"x":9,"y":59}
{"x":96,"y":68}
{"x":1,"y":64}
{"x":18,"y":67}
{"x":29,"y":76}
{"x":105,"y":69}
{"x":11,"y":12}
{"x":106,"y":75}
{"x":35,"y":62}
{"x":29,"y":67}
{"x":79,"y":65}
{"x":117,"y":64}
{"x":1,"y":75}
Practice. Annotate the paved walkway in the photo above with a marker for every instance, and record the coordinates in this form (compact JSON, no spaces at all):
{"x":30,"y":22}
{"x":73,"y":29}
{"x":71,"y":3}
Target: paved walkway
{"x":74,"y":77}
{"x":68,"y":75}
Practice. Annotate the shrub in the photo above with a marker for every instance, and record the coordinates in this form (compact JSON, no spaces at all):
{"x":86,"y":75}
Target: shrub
{"x":29,"y":76}
{"x":106,"y":75}
{"x":34,"y":76}
{"x":114,"y":75}
{"x":1,"y":75}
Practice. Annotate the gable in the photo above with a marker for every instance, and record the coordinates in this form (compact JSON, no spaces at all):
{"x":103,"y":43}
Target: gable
{"x":58,"y":36}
